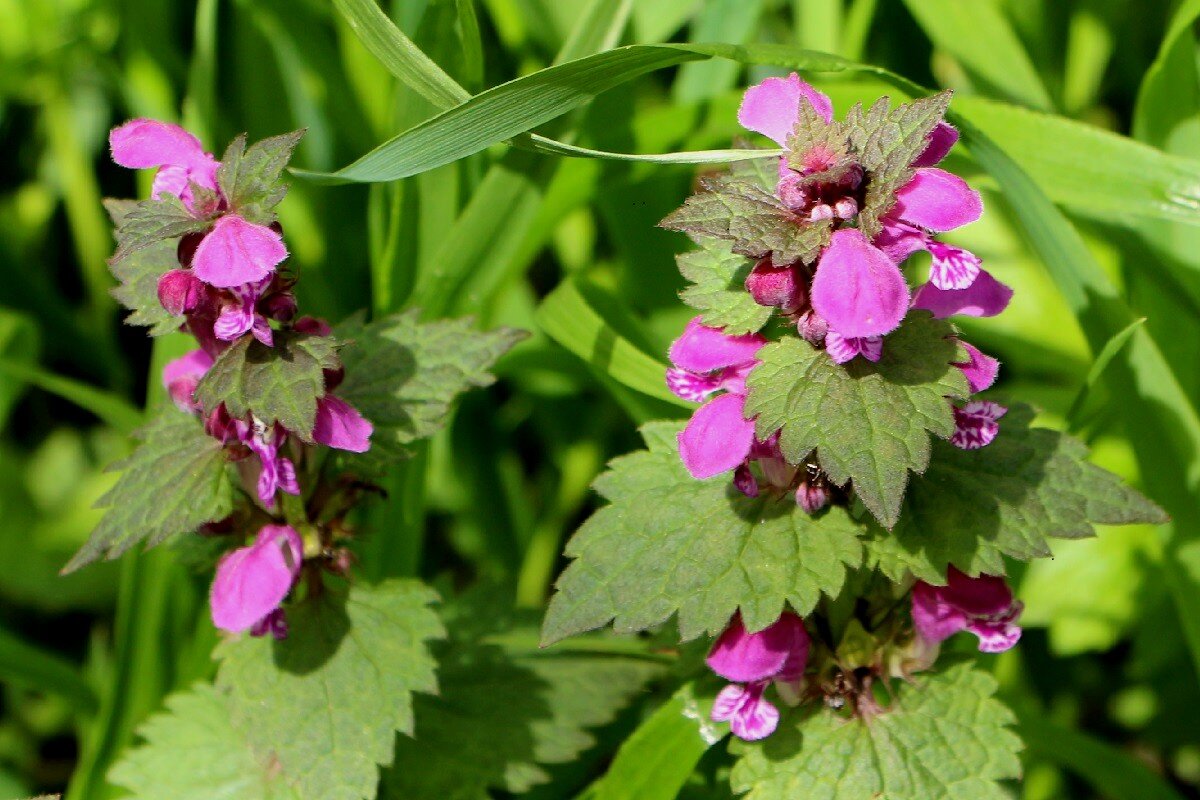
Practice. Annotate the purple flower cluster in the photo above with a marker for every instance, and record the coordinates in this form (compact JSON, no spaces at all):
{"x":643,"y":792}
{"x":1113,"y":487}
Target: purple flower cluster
{"x":228,"y":285}
{"x":846,"y":303}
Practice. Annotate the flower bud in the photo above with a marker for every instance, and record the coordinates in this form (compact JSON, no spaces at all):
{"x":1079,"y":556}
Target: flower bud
{"x":280,"y":306}
{"x":186,"y":249}
{"x":179,"y":291}
{"x":313,"y":325}
{"x":775,"y":286}
{"x":813,"y":327}
{"x":744,"y":481}
{"x":812,"y":497}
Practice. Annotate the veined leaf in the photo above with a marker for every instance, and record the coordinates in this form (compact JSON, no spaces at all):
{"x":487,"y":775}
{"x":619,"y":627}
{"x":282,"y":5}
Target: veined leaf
{"x":276,"y":384}
{"x":869,"y":422}
{"x":249,"y":177}
{"x":973,"y":507}
{"x":944,"y":735}
{"x":325,"y":703}
{"x":174,"y":482}
{"x":669,"y":544}
{"x":137,"y":275}
{"x":150,"y":222}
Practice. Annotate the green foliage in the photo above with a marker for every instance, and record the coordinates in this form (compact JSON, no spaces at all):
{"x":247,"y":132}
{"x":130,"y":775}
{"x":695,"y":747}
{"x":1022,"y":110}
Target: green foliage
{"x":137,"y":276}
{"x":403,"y":374}
{"x":249,"y":177}
{"x":503,"y":713}
{"x":943,"y":736}
{"x":324,"y":704}
{"x":868,"y":422}
{"x":669,"y":544}
{"x":192,"y":752}
{"x":887,"y":142}
{"x":280,"y":384}
{"x":174,"y":482}
{"x":152,"y":221}
{"x":973,"y":507}
{"x":718,"y":289}
{"x":752,"y":218}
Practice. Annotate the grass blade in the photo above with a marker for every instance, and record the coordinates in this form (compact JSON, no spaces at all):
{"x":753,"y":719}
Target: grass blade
{"x":109,"y":408}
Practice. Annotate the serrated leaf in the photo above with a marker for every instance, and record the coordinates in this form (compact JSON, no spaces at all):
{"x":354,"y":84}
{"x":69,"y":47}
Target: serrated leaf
{"x":250,"y":177}
{"x":886,"y":143}
{"x":502,"y":715}
{"x":152,"y":221}
{"x":276,"y":384}
{"x":738,"y":209}
{"x":192,"y":752}
{"x":869,"y":422}
{"x":669,"y":544}
{"x":972,"y":508}
{"x":174,"y":482}
{"x":325,"y":703}
{"x":137,"y":275}
{"x":403,"y":374}
{"x":718,"y":289}
{"x":943,"y":736}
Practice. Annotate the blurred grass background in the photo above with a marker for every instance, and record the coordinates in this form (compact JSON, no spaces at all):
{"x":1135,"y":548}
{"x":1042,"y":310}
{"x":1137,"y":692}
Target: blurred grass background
{"x":1105,"y":688}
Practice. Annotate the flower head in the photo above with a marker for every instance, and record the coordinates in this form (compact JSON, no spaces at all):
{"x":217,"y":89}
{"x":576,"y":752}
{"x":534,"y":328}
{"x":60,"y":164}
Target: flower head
{"x":236,"y":252}
{"x":276,"y":471}
{"x":252,"y":581}
{"x":976,"y":424}
{"x":984,"y":606}
{"x":181,"y":376}
{"x":178,"y":155}
{"x":779,"y":652}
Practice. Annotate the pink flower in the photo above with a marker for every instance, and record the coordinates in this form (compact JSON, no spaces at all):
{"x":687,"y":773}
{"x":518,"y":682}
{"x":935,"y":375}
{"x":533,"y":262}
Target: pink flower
{"x":751,"y":661}
{"x":841,"y":349}
{"x":985,"y":297}
{"x":241,"y":315}
{"x":236,"y":252}
{"x":858,"y":290}
{"x":181,"y":376}
{"x":179,"y":156}
{"x":339,"y":425}
{"x":252,"y":581}
{"x":976,"y":424}
{"x":718,"y":437}
{"x":980,"y":369}
{"x":180,"y":291}
{"x":933,"y":201}
{"x":984,"y":606}
{"x":276,"y":472}
{"x":772,"y":107}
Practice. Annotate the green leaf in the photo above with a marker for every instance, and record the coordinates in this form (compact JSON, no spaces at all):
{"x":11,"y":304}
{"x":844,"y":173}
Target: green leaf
{"x":276,"y":384}
{"x":980,"y":37}
{"x":718,"y":289}
{"x":249,"y":177}
{"x":752,"y":218}
{"x":192,"y":752}
{"x":869,"y":422}
{"x":886,"y":143}
{"x":943,"y":735}
{"x":973,"y":507}
{"x":1107,"y":353}
{"x":501,"y":716}
{"x":656,"y":760}
{"x":138,"y":273}
{"x":173,"y":483}
{"x":324,"y":704}
{"x":670,"y":544}
{"x":403,"y":374}
{"x":150,"y":222}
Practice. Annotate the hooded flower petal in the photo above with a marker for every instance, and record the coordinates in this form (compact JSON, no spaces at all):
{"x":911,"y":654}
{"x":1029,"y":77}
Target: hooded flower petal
{"x":937,"y":200}
{"x":981,"y":370}
{"x":181,"y":376}
{"x":340,"y":425}
{"x":237,"y":252}
{"x":841,"y":349}
{"x":749,"y":715}
{"x":145,"y":143}
{"x":705,"y":349}
{"x":717,"y":438}
{"x":944,"y":137}
{"x":976,"y":424}
{"x":900,"y":240}
{"x":693,"y":387}
{"x":252,"y":581}
{"x":746,"y":657}
{"x":952,"y":267}
{"x":858,"y":289}
{"x":983,"y":605}
{"x":773,"y":107}
{"x":985,"y":297}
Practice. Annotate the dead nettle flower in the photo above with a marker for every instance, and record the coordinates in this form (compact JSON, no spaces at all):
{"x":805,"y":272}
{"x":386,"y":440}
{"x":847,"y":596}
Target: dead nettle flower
{"x":858,"y":289}
{"x":752,"y":661}
{"x":984,"y":606}
{"x":251,"y":582}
